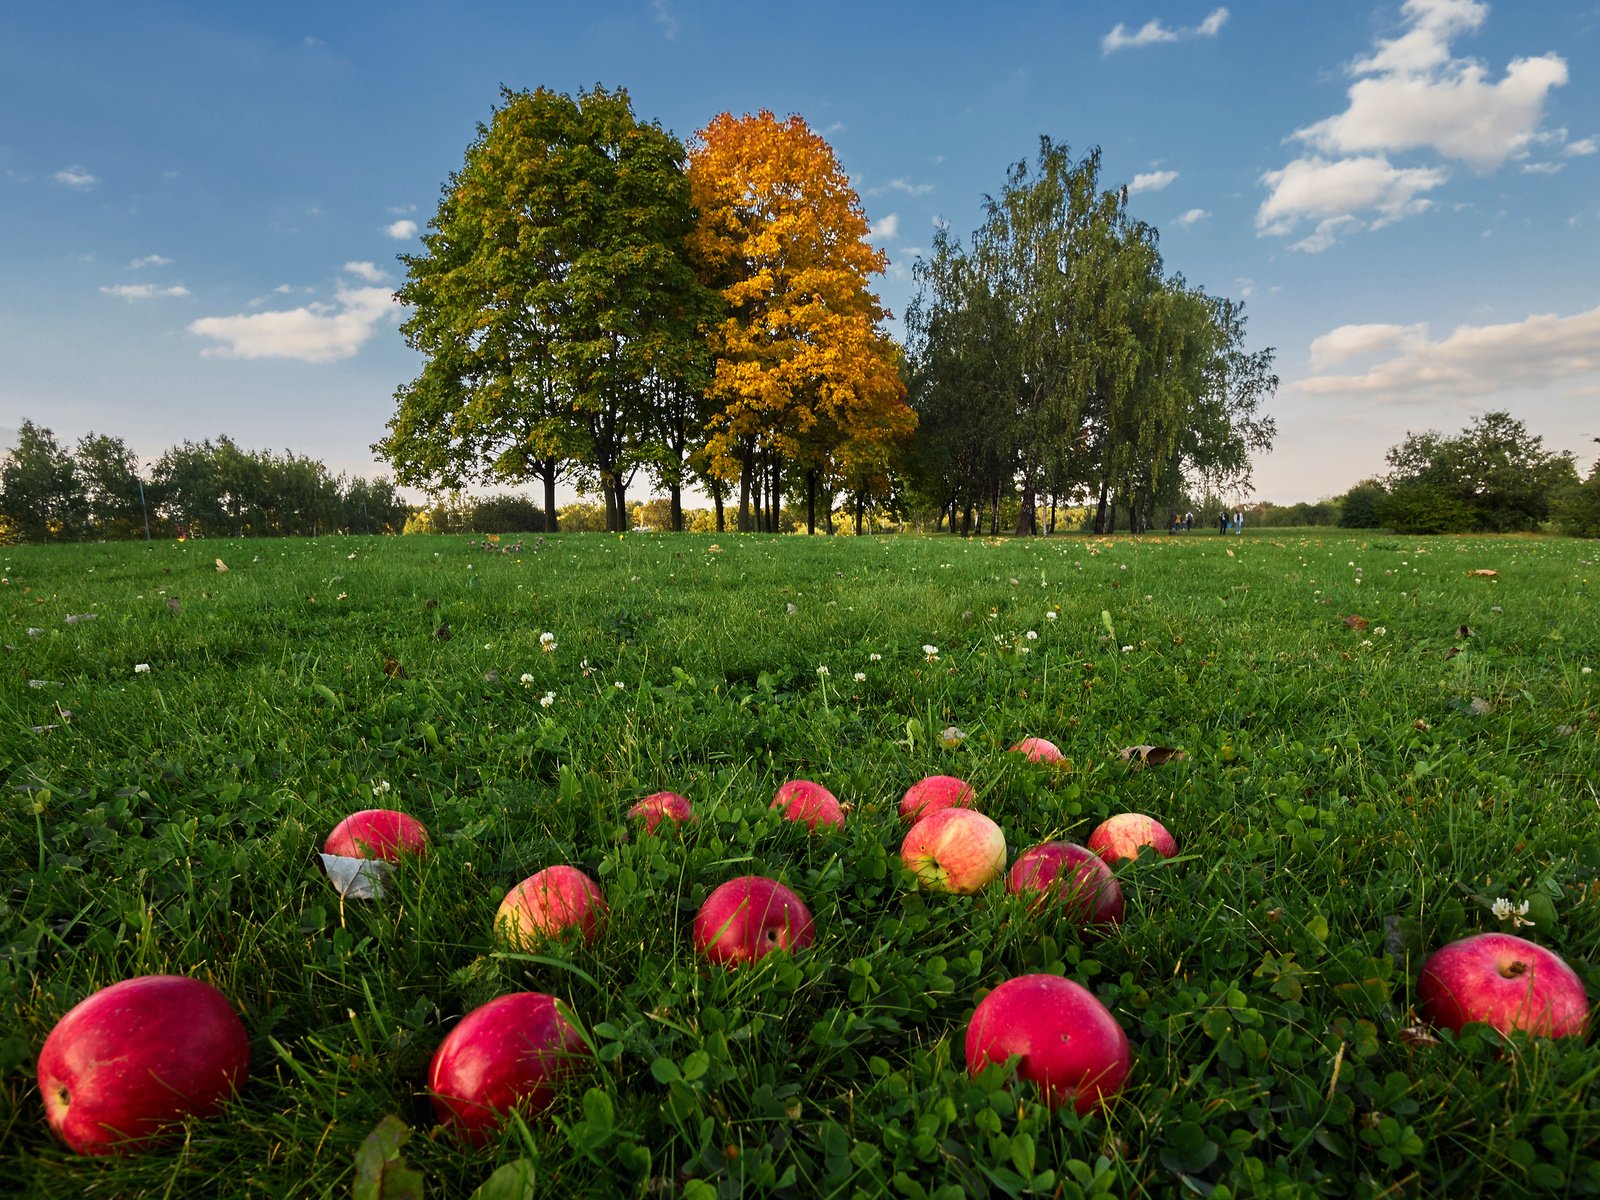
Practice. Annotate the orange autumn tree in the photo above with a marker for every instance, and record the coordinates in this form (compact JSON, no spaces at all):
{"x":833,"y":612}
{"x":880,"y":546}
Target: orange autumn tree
{"x":805,"y":376}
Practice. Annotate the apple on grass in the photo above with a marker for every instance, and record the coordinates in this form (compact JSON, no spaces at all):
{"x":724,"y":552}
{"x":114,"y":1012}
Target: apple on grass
{"x":377,"y":833}
{"x":1503,"y":981}
{"x":1040,"y":750}
{"x":749,"y":917}
{"x":809,"y":803}
{"x":546,"y":905}
{"x":927,"y":796}
{"x":1065,"y":1040}
{"x":509,"y":1054}
{"x":955,"y":850}
{"x":1125,"y":834}
{"x":1071,"y":880}
{"x":660,"y":806}
{"x":138,"y":1057}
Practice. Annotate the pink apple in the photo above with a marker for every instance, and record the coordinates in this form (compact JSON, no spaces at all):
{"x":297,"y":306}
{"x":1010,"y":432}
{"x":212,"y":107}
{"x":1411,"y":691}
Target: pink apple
{"x":138,"y":1057}
{"x":809,"y":803}
{"x":955,"y":850}
{"x":548,"y":903}
{"x":1039,"y":750}
{"x":508,"y":1054}
{"x":928,"y":796}
{"x":1068,"y":1044}
{"x":661,"y":806}
{"x":377,"y":833}
{"x":1071,"y":880}
{"x":748,"y":918}
{"x":1505,"y":982}
{"x":1123,"y":835}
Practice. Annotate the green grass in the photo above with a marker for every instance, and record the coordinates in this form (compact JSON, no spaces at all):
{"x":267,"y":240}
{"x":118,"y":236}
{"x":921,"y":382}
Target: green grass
{"x":1349,"y":799}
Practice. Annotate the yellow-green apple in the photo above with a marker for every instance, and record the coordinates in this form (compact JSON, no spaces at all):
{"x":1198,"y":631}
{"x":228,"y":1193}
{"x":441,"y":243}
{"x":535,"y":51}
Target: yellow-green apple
{"x":927,"y":796}
{"x":749,"y":917}
{"x":1123,"y":835}
{"x":507,"y":1055}
{"x":810,"y":803}
{"x":955,"y":850}
{"x":1503,"y":981}
{"x":1039,"y":749}
{"x":1071,"y":879}
{"x":659,"y":806}
{"x":1064,"y":1039}
{"x":138,"y":1057}
{"x":546,"y":905}
{"x":377,"y":833}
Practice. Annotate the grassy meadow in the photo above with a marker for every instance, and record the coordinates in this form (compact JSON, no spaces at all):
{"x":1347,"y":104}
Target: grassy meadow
{"x":1353,"y":793}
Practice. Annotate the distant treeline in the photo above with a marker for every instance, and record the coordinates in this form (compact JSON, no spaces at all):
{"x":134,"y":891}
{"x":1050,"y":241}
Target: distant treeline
{"x":51,"y":494}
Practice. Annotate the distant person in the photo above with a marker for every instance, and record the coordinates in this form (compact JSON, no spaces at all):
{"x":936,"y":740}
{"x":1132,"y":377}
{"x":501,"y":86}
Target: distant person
{"x":1188,"y":521}
{"x":1238,"y":521}
{"x":1222,"y":521}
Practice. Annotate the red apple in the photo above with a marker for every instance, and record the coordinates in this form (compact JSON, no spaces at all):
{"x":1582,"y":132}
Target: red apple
{"x":747,"y":918}
{"x":928,"y":796}
{"x":548,"y":903}
{"x":1123,"y":835}
{"x":1070,"y":878}
{"x":1505,"y":982}
{"x":810,"y":803}
{"x":1069,"y":1045}
{"x":507,"y":1055}
{"x":661,"y":805}
{"x":377,"y":833}
{"x":955,"y":850}
{"x":1039,"y":750}
{"x":138,"y":1057}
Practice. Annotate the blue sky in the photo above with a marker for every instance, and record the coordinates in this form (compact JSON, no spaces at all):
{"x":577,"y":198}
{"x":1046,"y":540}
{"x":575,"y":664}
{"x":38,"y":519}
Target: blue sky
{"x":205,"y":201}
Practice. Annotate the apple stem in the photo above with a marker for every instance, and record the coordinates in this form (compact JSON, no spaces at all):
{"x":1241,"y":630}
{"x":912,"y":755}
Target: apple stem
{"x":1514,"y":969}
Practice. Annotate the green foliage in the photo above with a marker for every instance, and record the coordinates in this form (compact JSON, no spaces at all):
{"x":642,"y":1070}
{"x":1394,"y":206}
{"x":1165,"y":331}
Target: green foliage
{"x":1576,"y":506}
{"x":1425,"y":508}
{"x":1349,"y":800}
{"x":1359,"y":507}
{"x":40,"y":496}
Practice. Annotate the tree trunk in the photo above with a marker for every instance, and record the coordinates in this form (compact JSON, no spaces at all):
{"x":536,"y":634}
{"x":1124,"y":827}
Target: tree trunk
{"x":861,"y":511}
{"x":1052,"y":526}
{"x":811,"y":501}
{"x":716,"y":499}
{"x":675,"y":509}
{"x":994,"y":512}
{"x":746,"y":464}
{"x":1100,"y":512}
{"x":622,"y":505}
{"x":777,"y":492}
{"x":966,"y":521}
{"x":551,"y":521}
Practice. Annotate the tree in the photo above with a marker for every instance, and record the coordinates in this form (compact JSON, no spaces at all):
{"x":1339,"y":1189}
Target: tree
{"x":1494,"y":476}
{"x":803,"y":366}
{"x":554,"y":303}
{"x":39,"y":489}
{"x":1358,"y":508}
{"x":1576,"y":506}
{"x":108,"y":472}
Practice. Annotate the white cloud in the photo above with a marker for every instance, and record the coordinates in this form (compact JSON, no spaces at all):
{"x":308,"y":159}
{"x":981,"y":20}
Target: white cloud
{"x":315,"y":333}
{"x":1473,"y":360}
{"x":1331,"y":192}
{"x":1588,"y":145}
{"x":143,"y":291}
{"x":401,"y":230}
{"x":1542,"y":168}
{"x":365,"y":271}
{"x":75,"y":177}
{"x":664,"y":18}
{"x":1150,"y":181}
{"x":150,"y":260}
{"x":886,"y":228}
{"x":1154,"y":33}
{"x":1192,"y":217}
{"x":902,"y":185}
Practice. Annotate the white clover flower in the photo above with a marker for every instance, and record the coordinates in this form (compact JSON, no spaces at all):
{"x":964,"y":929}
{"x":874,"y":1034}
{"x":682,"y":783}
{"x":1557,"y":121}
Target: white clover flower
{"x":931,"y":653}
{"x":527,"y":680}
{"x":951,"y":737}
{"x":141,"y":668}
{"x":381,"y":786}
{"x":547,"y":641}
{"x":1050,"y":616}
{"x":860,"y":676}
{"x":1517,"y":914}
{"x":586,"y":668}
{"x":546,"y":700}
{"x":1032,"y":635}
{"x":619,"y":685}
{"x":1587,"y":671}
{"x":823,"y":671}
{"x":350,"y":557}
{"x":1127,"y":649}
{"x":874,"y":657}
{"x":1380,"y":630}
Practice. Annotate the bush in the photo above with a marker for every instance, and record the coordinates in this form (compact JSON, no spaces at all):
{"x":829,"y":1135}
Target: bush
{"x":1358,"y":508}
{"x":1576,"y":508}
{"x":506,"y":514}
{"x":1425,"y":508}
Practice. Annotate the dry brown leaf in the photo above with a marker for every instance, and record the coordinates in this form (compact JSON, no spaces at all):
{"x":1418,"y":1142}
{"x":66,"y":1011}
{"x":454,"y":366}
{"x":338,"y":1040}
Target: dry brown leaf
{"x":221,"y":566}
{"x":443,"y":632}
{"x":1452,"y":652}
{"x":1463,"y":631}
{"x":393,"y":669}
{"x":1355,"y":622}
{"x":173,"y":605}
{"x":1483,"y":573}
{"x":1139,"y":756}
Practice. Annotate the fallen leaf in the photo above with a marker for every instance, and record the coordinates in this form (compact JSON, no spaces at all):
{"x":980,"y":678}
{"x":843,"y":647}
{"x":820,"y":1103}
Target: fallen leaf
{"x":1483,"y":573}
{"x":173,"y":605}
{"x":1418,"y":1035}
{"x":430,"y":604}
{"x":221,"y":566}
{"x":443,"y":632}
{"x":1452,"y":652}
{"x":393,"y":669}
{"x":1355,"y":622}
{"x":1463,"y":632}
{"x":1139,"y":756}
{"x":356,"y":878}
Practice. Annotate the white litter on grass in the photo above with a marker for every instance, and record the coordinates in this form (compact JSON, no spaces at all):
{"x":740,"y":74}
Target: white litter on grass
{"x":74,"y":618}
{"x":356,"y":878}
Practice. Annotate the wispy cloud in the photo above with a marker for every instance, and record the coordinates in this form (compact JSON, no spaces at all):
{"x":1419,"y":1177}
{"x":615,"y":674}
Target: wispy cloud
{"x":885,"y":228}
{"x":1154,"y":33}
{"x":665,"y":18}
{"x":1192,"y":217}
{"x":312,"y":333}
{"x":901,"y":185}
{"x":150,"y":260}
{"x":1332,"y":192}
{"x":1581,"y":147}
{"x":1150,"y":181}
{"x":366,"y":271}
{"x":401,"y":230}
{"x":143,"y":291}
{"x":75,"y":177}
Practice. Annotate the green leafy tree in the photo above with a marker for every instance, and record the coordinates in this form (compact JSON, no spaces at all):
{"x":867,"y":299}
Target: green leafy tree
{"x":41,"y":496}
{"x":1576,"y":506}
{"x":553,"y":302}
{"x":108,"y":472}
{"x":1358,"y":508}
{"x":1494,"y":476}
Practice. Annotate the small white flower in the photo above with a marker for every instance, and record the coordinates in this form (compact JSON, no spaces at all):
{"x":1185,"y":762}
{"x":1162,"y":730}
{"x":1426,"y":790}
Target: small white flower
{"x":930,"y":649}
{"x":486,"y":645}
{"x":874,"y":658}
{"x":546,"y":700}
{"x":860,"y":676}
{"x":350,"y":557}
{"x":1127,"y":649}
{"x":823,"y":671}
{"x":141,"y":668}
{"x":1122,"y":566}
{"x":1032,"y":635}
{"x":1050,"y":616}
{"x":586,"y":668}
{"x":1366,"y":641}
{"x":619,"y":685}
{"x":1517,"y":914}
{"x":381,"y":786}
{"x":951,"y":737}
{"x":527,"y":680}
{"x":1588,"y":671}
{"x":1380,"y":630}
